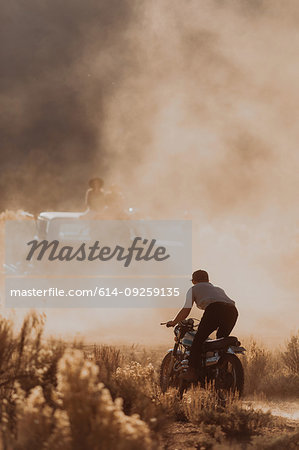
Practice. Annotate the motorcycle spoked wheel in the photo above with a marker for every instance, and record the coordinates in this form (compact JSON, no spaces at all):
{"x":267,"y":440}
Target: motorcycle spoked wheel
{"x":166,"y":372}
{"x":230,"y":377}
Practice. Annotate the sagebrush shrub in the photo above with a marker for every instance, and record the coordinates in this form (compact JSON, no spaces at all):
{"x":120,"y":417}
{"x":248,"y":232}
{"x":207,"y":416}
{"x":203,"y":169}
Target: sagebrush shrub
{"x":84,"y":415}
{"x":291,"y":355}
{"x":96,"y":421}
{"x":26,"y":359}
{"x":256,"y":364}
{"x":137,"y":385}
{"x":273,"y":374}
{"x":38,"y":426}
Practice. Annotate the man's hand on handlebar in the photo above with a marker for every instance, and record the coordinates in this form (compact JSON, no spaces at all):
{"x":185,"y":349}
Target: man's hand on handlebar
{"x":170,"y":323}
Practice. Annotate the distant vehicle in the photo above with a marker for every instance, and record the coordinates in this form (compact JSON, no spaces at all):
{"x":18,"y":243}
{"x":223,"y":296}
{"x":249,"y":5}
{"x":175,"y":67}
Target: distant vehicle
{"x":75,"y":226}
{"x":64,"y":226}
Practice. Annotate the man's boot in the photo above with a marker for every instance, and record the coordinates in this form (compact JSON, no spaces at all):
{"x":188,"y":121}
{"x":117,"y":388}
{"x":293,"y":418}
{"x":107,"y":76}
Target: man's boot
{"x":188,"y":373}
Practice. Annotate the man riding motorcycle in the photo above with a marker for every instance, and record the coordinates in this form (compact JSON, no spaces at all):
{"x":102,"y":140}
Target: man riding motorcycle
{"x":220,"y":314}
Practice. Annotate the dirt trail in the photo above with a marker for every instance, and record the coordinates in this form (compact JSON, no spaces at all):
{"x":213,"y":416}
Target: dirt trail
{"x":187,"y":436}
{"x":281,"y":408}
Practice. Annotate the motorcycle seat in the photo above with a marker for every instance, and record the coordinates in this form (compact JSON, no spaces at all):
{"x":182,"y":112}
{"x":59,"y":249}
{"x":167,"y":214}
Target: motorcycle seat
{"x":215,"y":344}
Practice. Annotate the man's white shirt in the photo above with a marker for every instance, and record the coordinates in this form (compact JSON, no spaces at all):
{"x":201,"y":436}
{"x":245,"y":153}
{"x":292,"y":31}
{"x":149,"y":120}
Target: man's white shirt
{"x":204,"y":293}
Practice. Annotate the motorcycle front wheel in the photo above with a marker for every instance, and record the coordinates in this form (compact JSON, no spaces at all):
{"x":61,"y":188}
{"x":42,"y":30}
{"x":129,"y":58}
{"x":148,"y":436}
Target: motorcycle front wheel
{"x":166,"y":372}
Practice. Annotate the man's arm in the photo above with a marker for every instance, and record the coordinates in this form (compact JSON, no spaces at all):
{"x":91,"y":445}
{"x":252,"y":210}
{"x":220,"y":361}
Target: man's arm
{"x":181,"y":315}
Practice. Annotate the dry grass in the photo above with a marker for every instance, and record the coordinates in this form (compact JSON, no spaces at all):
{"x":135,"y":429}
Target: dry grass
{"x":290,"y":356}
{"x":285,"y":440}
{"x":58,"y":396}
{"x":274,"y":374}
{"x":201,"y":406}
{"x":4,"y":216}
{"x":52,"y":397}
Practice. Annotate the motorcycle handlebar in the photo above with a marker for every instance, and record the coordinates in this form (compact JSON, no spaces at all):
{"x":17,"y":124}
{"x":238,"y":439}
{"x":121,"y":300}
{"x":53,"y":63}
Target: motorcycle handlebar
{"x":180,"y":323}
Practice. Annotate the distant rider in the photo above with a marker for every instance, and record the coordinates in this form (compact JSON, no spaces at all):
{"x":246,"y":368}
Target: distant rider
{"x":95,"y":197}
{"x":220,"y":314}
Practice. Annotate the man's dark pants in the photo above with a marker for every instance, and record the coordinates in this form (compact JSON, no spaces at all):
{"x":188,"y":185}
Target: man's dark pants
{"x":218,"y":316}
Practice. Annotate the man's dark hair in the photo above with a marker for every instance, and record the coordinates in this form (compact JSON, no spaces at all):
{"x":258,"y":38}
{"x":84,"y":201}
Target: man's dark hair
{"x":200,"y":275}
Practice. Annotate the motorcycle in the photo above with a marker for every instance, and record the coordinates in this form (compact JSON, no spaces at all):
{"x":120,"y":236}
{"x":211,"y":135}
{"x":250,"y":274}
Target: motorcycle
{"x":220,"y":365}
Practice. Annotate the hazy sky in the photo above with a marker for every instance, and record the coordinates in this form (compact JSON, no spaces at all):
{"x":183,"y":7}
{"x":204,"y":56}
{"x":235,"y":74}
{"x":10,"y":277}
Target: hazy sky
{"x":190,"y":107}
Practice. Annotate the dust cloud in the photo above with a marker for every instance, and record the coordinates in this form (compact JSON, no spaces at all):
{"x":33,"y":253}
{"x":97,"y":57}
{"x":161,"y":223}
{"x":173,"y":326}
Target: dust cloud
{"x":58,"y":62}
{"x":192,"y":109}
{"x":210,"y":118}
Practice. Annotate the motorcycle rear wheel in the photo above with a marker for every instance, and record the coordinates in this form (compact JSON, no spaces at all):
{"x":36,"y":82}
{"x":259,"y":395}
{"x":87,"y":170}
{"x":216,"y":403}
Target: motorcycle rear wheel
{"x":230,"y":377}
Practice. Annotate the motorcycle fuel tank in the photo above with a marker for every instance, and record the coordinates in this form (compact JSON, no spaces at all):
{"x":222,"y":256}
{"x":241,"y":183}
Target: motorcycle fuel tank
{"x":188,"y":338}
